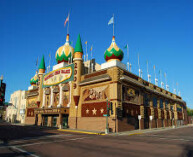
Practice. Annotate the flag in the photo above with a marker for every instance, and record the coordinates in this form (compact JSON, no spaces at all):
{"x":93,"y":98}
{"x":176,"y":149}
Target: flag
{"x":111,"y":20}
{"x":67,"y":19}
{"x":126,"y":46}
{"x":91,"y":48}
{"x":154,"y":67}
{"x":164,"y":74}
{"x":85,"y":42}
{"x":37,"y":62}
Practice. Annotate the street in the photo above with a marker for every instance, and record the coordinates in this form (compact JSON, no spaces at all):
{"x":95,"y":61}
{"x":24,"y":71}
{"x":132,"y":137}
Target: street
{"x":49,"y":142}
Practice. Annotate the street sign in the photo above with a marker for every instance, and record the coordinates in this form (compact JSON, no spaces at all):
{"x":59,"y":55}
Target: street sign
{"x":104,"y":115}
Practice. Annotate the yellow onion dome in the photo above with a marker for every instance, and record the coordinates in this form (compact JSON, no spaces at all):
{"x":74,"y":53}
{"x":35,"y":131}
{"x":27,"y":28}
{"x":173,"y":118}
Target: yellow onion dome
{"x":64,"y":53}
{"x":34,"y":80}
{"x":113,"y":52}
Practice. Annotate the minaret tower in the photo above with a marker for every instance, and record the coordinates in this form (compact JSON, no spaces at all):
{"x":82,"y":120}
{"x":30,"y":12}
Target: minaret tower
{"x":78,"y":52}
{"x":41,"y":68}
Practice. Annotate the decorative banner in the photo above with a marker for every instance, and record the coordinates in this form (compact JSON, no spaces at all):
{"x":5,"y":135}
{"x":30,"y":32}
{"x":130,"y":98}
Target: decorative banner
{"x":58,"y":76}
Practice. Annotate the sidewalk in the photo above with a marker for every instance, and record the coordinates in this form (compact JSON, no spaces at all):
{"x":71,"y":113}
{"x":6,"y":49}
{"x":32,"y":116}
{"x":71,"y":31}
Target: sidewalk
{"x":129,"y":133}
{"x":136,"y":132}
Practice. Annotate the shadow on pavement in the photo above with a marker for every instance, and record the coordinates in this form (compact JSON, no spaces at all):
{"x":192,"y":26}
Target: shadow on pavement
{"x":14,"y":132}
{"x":188,"y":151}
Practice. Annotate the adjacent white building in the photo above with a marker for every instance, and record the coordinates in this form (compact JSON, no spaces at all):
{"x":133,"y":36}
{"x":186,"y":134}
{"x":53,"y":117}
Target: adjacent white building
{"x":16,"y":111}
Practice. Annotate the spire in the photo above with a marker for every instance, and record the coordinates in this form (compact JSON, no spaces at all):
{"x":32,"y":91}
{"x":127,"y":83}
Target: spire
{"x":42,"y":64}
{"x":67,"y":38}
{"x":78,"y":47}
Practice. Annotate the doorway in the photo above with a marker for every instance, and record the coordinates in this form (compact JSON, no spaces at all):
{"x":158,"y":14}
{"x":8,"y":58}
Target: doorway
{"x":65,"y":121}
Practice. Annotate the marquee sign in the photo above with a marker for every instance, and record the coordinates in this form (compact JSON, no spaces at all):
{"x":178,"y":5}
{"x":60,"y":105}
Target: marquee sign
{"x":58,"y":76}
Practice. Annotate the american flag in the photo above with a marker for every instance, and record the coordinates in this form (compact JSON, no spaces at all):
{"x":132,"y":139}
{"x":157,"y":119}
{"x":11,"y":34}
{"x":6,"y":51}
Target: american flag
{"x":67,"y":19}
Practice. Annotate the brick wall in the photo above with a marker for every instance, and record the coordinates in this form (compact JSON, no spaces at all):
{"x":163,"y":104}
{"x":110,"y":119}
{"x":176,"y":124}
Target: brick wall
{"x":30,"y":120}
{"x":91,"y":123}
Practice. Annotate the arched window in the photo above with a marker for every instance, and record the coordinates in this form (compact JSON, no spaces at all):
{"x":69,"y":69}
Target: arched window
{"x":145,"y":100}
{"x":166,"y":104}
{"x":154,"y":102}
{"x":161,"y":103}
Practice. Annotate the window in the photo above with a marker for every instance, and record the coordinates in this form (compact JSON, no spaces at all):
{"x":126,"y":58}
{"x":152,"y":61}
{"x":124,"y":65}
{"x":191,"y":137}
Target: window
{"x":154,"y":102}
{"x":145,"y":100}
{"x":161,"y":103}
{"x":179,"y":109}
{"x":166,"y":103}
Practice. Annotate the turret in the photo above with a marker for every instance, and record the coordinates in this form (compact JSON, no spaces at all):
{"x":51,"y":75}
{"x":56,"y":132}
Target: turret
{"x":42,"y":69}
{"x":42,"y":66}
{"x":78,"y":52}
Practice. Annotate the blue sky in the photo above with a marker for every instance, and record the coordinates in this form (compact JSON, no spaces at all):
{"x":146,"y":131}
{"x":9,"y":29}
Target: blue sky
{"x":161,"y":31}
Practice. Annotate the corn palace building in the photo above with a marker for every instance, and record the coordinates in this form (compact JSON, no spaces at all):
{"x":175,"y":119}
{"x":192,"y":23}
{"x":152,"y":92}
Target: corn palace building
{"x":74,"y":95}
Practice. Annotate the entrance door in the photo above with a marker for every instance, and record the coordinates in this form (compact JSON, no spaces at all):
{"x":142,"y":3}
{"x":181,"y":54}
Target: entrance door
{"x":65,"y":121}
{"x":45,"y":121}
{"x":54,"y":121}
{"x":146,"y":118}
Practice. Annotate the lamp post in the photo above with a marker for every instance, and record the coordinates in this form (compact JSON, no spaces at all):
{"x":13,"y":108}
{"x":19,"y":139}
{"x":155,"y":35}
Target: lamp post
{"x":139,"y":118}
{"x":151,"y":118}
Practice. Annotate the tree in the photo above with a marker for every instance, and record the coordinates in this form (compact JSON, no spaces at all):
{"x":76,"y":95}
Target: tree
{"x":190,"y":112}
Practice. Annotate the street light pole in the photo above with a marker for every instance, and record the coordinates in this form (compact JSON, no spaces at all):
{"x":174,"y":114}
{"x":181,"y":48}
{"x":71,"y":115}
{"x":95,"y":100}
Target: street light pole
{"x":107,"y":125}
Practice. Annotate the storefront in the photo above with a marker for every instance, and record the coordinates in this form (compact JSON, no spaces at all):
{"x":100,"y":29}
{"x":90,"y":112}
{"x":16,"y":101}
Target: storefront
{"x":56,"y":117}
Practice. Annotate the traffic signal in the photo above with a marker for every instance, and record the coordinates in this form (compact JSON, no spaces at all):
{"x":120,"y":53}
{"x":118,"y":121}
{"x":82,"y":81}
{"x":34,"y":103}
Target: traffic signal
{"x":2,"y":92}
{"x":1,"y":101}
{"x":111,"y":107}
{"x":108,"y":113}
{"x":108,"y":108}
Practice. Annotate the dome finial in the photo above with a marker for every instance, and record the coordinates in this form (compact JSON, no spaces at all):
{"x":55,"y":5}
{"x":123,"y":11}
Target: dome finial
{"x":65,"y":52}
{"x":113,"y":52}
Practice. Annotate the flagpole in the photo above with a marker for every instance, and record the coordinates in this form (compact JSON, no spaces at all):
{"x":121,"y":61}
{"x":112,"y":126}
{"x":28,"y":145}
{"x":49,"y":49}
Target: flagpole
{"x":128,"y":56}
{"x":139,"y":66}
{"x":91,"y":52}
{"x":91,"y":60}
{"x":68,"y":23}
{"x":86,"y":53}
{"x":155,"y":76}
{"x":37,"y":64}
{"x":113,"y":25}
{"x":148,"y":73}
{"x":147,"y":69}
{"x":49,"y":61}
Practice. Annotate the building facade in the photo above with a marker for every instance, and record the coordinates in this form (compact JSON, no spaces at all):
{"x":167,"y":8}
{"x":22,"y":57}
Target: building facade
{"x":15,"y":112}
{"x":85,"y":96}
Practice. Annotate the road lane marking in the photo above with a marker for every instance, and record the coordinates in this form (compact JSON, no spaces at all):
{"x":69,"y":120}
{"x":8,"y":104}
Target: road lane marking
{"x":23,"y":151}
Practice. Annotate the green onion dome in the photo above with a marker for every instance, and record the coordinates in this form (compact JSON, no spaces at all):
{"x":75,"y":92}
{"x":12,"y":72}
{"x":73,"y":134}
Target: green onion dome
{"x":64,"y":53}
{"x":34,"y":80}
{"x":113,"y":52}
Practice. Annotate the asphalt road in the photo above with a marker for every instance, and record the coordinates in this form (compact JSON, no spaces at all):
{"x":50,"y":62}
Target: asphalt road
{"x":48,"y":142}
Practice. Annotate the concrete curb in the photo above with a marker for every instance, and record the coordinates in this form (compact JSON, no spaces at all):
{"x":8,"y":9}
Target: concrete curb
{"x":82,"y":132}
